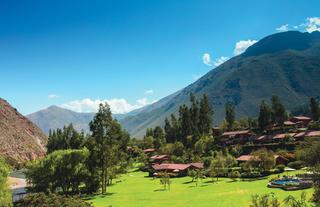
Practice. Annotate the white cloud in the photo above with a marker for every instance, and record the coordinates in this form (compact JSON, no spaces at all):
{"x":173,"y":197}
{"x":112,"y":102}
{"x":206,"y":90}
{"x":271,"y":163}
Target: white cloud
{"x":51,"y":96}
{"x":242,"y":45}
{"x":313,"y":24}
{"x":220,"y":60}
{"x":206,"y":59}
{"x":149,"y":91}
{"x":117,"y":105}
{"x":283,"y":28}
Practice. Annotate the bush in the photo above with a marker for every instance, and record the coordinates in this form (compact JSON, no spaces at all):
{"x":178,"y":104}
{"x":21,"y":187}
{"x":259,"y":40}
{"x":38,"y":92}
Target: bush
{"x":234,"y":175}
{"x":296,"y":164}
{"x":253,"y":174}
{"x":280,"y":168}
{"x":51,"y":200}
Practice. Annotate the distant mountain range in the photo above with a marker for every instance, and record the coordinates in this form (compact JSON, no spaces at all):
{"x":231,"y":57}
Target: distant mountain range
{"x":285,"y":64}
{"x":55,"y":117}
{"x":20,"y":139}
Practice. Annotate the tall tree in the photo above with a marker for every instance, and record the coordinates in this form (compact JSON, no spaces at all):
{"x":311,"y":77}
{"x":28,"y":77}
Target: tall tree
{"x":205,"y":115}
{"x":108,"y":143}
{"x":5,"y":193}
{"x":159,"y":137}
{"x":195,"y":114}
{"x":168,"y":129}
{"x":185,"y":123}
{"x":264,"y":116}
{"x":279,"y":115}
{"x":230,"y":115}
{"x":315,"y":109}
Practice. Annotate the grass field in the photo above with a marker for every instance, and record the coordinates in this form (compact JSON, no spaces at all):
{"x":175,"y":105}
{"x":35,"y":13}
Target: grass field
{"x":137,"y":190}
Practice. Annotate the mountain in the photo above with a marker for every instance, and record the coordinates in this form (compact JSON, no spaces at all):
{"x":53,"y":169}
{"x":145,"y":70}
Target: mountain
{"x":20,"y":139}
{"x":55,"y":117}
{"x":285,"y":64}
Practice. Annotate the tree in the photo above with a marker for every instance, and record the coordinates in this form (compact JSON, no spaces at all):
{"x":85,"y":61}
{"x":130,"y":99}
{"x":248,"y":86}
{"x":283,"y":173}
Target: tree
{"x":267,"y":200}
{"x":195,"y":175}
{"x":5,"y":193}
{"x":195,"y":114}
{"x":264,"y":116}
{"x":230,"y":115}
{"x":65,"y":138}
{"x":62,"y":169}
{"x":279,"y":115}
{"x":205,"y":116}
{"x":217,"y":167}
{"x":165,"y":180}
{"x":185,"y":123}
{"x":315,"y":109}
{"x":159,"y":137}
{"x":51,"y":200}
{"x":263,"y":159}
{"x":108,"y":144}
{"x":169,"y":131}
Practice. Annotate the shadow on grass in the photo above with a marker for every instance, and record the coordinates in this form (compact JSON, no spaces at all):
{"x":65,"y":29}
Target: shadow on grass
{"x":212,"y":181}
{"x":159,"y":190}
{"x":253,"y":179}
{"x":188,"y":182}
{"x":90,"y":197}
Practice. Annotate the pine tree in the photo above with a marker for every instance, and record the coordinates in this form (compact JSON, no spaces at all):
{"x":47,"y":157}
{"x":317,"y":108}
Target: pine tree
{"x":279,"y":115}
{"x":264,"y":116}
{"x":159,"y":137}
{"x":315,"y":109}
{"x":168,"y":131}
{"x":195,"y":113}
{"x":206,"y":116}
{"x":230,"y":115}
{"x":185,"y":123}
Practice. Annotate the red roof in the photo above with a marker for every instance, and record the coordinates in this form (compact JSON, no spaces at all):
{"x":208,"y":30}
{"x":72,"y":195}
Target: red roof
{"x":302,"y":118}
{"x":236,"y":133}
{"x":198,"y":165}
{"x":282,"y":136}
{"x":245,"y":158}
{"x":168,"y":166}
{"x":159,"y":157}
{"x":149,"y":150}
{"x":308,"y":134}
{"x":289,"y":123}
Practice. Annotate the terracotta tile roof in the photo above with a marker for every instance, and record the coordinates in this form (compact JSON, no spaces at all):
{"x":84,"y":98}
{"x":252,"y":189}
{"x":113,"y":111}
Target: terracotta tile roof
{"x":289,"y":123}
{"x":159,"y":157}
{"x":198,"y":165}
{"x":236,"y":133}
{"x":149,"y":150}
{"x":308,"y":134}
{"x":245,"y":158}
{"x":302,"y":118}
{"x":282,"y":136}
{"x":169,"y":166}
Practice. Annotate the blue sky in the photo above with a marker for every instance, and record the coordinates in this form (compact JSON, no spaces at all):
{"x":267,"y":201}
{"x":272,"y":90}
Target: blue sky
{"x":76,"y":54}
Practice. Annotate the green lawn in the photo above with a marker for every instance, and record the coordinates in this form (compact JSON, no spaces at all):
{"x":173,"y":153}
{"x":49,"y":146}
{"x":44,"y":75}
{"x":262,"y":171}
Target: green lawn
{"x":137,"y":190}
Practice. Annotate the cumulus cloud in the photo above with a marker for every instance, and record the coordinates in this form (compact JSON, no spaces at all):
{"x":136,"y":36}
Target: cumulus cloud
{"x":220,"y":60}
{"x":283,"y":28}
{"x":149,"y":91}
{"x":313,"y":24}
{"x":242,"y":45}
{"x":206,"y":59}
{"x":51,"y":96}
{"x":117,"y":105}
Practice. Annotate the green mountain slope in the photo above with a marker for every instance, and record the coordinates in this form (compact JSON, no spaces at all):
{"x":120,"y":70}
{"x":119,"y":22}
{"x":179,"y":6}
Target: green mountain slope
{"x":284,"y":64}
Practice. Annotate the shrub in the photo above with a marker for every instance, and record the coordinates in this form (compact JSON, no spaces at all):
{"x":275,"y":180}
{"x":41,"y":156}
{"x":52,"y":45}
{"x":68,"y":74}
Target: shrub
{"x":280,"y":168}
{"x":252,"y":174}
{"x":296,"y":164}
{"x":51,"y":200}
{"x":234,"y":175}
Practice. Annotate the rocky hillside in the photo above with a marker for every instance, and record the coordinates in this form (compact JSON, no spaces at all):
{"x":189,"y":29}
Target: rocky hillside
{"x":285,"y":64}
{"x":20,"y":139}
